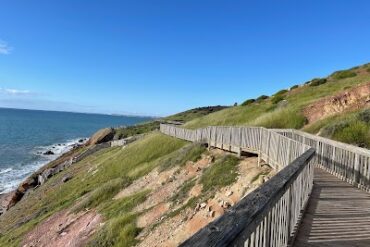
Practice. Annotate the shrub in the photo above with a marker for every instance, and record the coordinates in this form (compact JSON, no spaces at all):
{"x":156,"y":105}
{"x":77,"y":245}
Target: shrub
{"x":281,"y":92}
{"x":357,"y":133}
{"x":294,"y":87}
{"x":364,"y":116}
{"x":276,"y":99}
{"x":342,"y":74}
{"x":248,"y":102}
{"x":262,"y":97}
{"x":317,"y":82}
{"x":368,"y":70}
{"x":331,"y":129}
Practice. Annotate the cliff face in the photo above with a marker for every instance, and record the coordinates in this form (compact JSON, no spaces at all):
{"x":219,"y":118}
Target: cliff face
{"x":349,"y":100}
{"x":159,"y":189}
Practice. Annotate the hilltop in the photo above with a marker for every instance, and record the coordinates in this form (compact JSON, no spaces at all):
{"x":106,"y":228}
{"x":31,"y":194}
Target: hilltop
{"x":159,"y":190}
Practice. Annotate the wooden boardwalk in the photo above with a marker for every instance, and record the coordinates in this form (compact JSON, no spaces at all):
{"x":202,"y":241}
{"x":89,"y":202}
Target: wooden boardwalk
{"x":337,"y":214}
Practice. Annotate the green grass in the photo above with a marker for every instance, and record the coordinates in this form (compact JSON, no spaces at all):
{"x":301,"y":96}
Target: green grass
{"x":349,"y":127}
{"x":280,"y":118}
{"x":121,"y":230}
{"x":183,"y":192}
{"x":191,"y":152}
{"x":115,"y":168}
{"x":222,"y":173}
{"x":296,"y":101}
{"x":343,"y":74}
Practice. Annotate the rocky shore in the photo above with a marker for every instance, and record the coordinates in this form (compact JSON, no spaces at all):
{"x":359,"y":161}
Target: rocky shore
{"x":80,"y":150}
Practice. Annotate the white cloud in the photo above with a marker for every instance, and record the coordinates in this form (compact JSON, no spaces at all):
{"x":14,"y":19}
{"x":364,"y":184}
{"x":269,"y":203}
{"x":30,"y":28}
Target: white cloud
{"x":5,"y":49}
{"x":11,"y":91}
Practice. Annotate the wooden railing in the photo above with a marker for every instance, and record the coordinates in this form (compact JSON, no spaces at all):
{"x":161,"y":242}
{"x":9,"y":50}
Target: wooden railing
{"x":276,"y":149}
{"x":347,"y":162}
{"x":270,"y":214}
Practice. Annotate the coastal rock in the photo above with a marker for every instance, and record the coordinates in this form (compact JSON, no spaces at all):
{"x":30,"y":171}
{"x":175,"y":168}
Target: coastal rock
{"x":103,"y":135}
{"x":66,"y":178}
{"x":49,"y":152}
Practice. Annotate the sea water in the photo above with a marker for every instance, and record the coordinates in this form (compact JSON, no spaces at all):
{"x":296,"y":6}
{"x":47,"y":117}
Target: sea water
{"x":25,"y":135}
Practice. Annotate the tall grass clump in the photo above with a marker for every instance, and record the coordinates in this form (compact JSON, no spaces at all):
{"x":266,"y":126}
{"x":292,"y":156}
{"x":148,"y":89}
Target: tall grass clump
{"x":103,"y":193}
{"x":191,"y":152}
{"x":120,"y":230}
{"x":222,"y":173}
{"x":281,"y":118}
{"x":357,"y":133}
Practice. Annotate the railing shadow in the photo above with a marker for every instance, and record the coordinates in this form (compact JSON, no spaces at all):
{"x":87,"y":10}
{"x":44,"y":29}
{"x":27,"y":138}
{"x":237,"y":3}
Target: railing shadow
{"x":337,"y":215}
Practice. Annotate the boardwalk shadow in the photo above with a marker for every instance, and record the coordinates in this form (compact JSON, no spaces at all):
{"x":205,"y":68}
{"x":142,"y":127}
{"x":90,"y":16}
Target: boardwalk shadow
{"x":338,"y":214}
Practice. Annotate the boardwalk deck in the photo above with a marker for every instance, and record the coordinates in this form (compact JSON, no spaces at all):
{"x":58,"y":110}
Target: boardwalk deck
{"x":338,"y":214}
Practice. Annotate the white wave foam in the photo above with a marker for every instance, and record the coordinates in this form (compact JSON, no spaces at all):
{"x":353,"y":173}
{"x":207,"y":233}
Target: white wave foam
{"x":10,"y":178}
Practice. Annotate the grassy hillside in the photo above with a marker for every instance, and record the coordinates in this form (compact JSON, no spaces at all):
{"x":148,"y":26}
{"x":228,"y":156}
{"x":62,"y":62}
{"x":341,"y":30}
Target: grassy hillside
{"x":97,"y":179}
{"x":284,"y":109}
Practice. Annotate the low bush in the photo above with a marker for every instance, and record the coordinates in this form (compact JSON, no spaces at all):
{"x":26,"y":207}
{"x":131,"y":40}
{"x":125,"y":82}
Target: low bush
{"x":342,"y":74}
{"x":294,"y":87}
{"x":364,"y":116}
{"x":277,"y":98}
{"x":262,"y":97}
{"x":317,"y":82}
{"x":357,"y":133}
{"x":281,"y":92}
{"x":248,"y":102}
{"x":330,"y":130}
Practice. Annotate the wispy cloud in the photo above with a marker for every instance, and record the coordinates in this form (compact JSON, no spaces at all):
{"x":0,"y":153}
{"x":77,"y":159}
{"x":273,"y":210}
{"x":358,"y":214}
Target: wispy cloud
{"x":11,"y":91}
{"x":5,"y":49}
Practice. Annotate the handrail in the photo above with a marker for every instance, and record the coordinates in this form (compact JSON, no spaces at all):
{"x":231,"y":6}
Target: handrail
{"x":347,"y":162}
{"x":256,"y":219}
{"x":268,"y":216}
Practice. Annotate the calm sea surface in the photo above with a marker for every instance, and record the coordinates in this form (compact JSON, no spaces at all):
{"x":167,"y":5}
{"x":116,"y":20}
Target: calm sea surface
{"x":26,"y":134}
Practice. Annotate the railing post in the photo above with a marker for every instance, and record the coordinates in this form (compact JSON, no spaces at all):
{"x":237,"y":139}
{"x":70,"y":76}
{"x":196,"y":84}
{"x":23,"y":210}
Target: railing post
{"x":357,"y":170}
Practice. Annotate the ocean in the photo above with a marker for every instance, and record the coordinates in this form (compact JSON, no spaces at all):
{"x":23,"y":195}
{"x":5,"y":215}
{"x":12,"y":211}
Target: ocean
{"x":25,"y":135}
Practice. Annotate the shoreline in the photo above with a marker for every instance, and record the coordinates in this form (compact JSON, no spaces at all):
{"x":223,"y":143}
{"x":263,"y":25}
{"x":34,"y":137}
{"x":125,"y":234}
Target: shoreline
{"x":8,"y":198}
{"x":46,"y":155}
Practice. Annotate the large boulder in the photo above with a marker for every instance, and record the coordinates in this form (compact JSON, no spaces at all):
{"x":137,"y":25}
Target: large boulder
{"x":103,"y":135}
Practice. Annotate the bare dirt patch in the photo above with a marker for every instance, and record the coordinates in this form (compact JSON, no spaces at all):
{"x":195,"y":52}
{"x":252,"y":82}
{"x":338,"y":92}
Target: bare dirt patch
{"x":172,"y":231}
{"x":349,"y":100}
{"x":64,"y":229}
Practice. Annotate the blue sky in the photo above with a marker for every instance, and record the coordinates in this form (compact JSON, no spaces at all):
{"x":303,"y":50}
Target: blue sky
{"x":160,"y":57}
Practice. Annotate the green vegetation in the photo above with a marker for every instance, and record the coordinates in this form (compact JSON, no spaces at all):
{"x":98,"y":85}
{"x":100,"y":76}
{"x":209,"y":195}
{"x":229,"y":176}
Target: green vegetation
{"x":280,"y":118}
{"x":222,"y":173}
{"x":277,"y":98}
{"x":294,"y":87}
{"x":265,"y":111}
{"x":261,"y":98}
{"x":124,"y":132}
{"x":191,"y":152}
{"x":248,"y":102}
{"x":352,"y":128}
{"x":114,"y":168}
{"x":342,"y":74}
{"x":317,"y":82}
{"x":183,"y":192}
{"x":281,"y":92}
{"x":121,"y":230}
